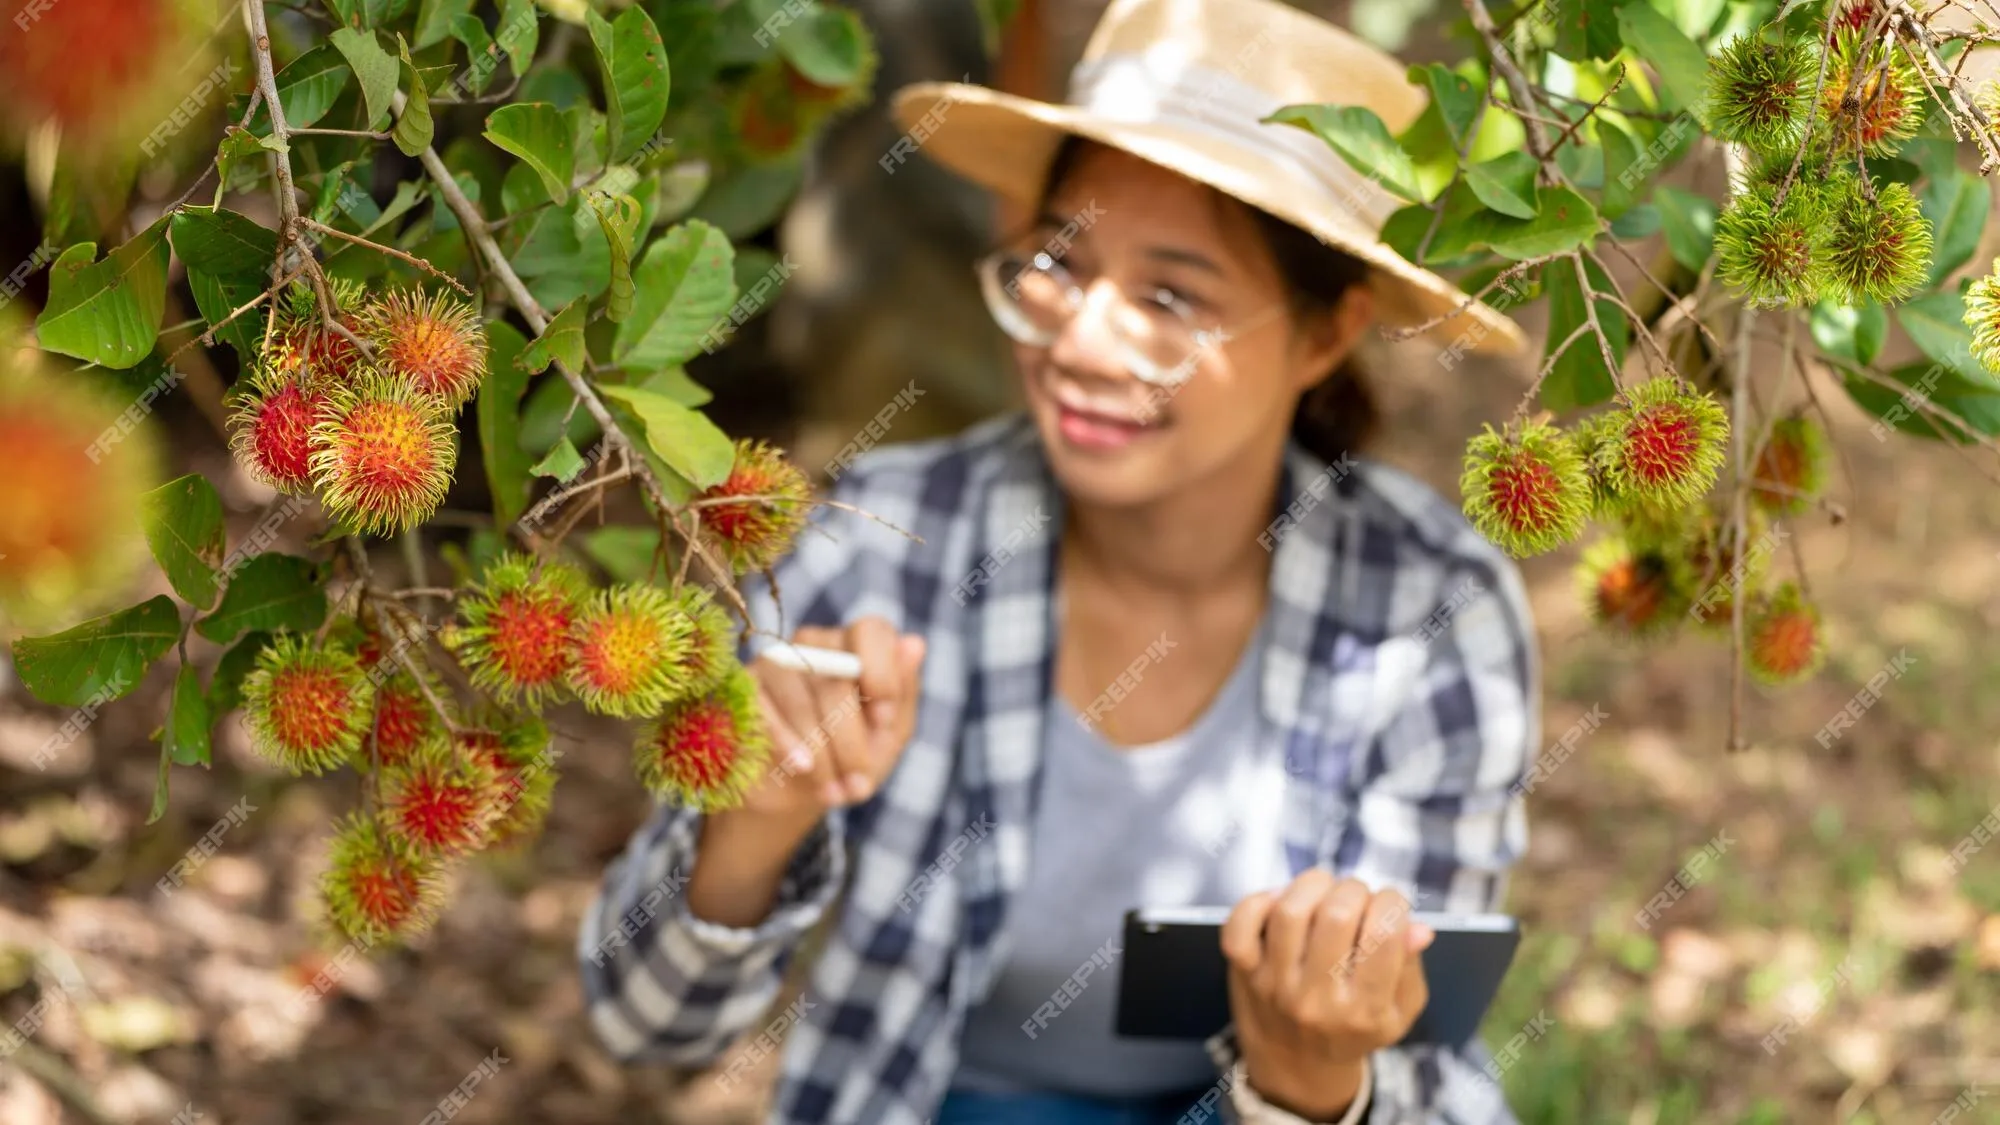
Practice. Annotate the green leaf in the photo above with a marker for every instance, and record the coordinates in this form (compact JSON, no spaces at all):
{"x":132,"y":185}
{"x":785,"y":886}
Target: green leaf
{"x":626,"y":553}
{"x":538,"y":134}
{"x":373,"y":66}
{"x":308,"y":88}
{"x":562,"y":463}
{"x":159,"y":808}
{"x":1566,"y":221}
{"x":1456,"y":97}
{"x":685,"y":284}
{"x":685,"y":439}
{"x":1361,"y":139}
{"x":225,"y":687}
{"x":633,"y":63}
{"x":1956,"y":203}
{"x":1580,"y":377}
{"x":271,"y":592}
{"x":1506,"y":183}
{"x":108,"y":312}
{"x":479,"y":50}
{"x":1621,"y":152}
{"x":239,"y":160}
{"x":1851,"y":333}
{"x":551,"y":414}
{"x":185,"y":737}
{"x":1688,"y":221}
{"x":830,"y":46}
{"x":436,"y":18}
{"x":1967,"y":410}
{"x":499,"y":409}
{"x":1642,"y":221}
{"x":1936,"y":324}
{"x":414,"y":128}
{"x":1584,"y":29}
{"x":217,"y":297}
{"x":101,"y":659}
{"x":519,"y":32}
{"x":619,"y":216}
{"x":1682,"y":65}
{"x":748,"y":198}
{"x":561,"y":340}
{"x":674,"y":383}
{"x":220,"y":241}
{"x":183,"y":520}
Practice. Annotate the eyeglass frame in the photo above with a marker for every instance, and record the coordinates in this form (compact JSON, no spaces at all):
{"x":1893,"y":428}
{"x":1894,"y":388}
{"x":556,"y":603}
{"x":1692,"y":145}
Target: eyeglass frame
{"x":1014,"y":323}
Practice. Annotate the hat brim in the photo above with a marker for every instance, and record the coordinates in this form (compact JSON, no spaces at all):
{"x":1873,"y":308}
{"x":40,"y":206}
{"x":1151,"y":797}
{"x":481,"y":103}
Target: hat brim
{"x":1005,"y":142}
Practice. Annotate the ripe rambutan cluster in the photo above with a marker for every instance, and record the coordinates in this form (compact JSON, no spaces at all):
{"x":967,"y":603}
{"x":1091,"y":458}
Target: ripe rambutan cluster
{"x":758,"y":510}
{"x":372,"y":435}
{"x":307,"y":704}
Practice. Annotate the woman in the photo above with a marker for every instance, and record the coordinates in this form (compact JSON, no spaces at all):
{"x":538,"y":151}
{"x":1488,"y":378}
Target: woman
{"x":1164,"y":640}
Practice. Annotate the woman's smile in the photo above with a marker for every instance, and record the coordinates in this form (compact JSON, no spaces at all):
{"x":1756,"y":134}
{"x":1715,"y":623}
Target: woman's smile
{"x":1094,"y":426}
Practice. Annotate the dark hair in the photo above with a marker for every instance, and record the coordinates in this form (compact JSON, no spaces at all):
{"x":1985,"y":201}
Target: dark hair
{"x":1338,"y":414}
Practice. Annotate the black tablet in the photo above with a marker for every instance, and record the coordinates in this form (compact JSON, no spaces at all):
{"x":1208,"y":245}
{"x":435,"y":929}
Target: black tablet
{"x":1174,"y":981}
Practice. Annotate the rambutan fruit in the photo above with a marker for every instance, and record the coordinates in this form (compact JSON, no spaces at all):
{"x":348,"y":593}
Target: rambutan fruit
{"x":1634,"y":593}
{"x":404,"y":720}
{"x":440,"y":801}
{"x":516,"y":749}
{"x":514,"y":637}
{"x":1854,"y":15}
{"x":1772,"y":253}
{"x":1782,"y":641}
{"x":1527,"y":491}
{"x":304,"y":346}
{"x":706,"y":750}
{"x":382,"y":455}
{"x":1885,"y":104}
{"x":377,"y":886}
{"x":712,"y":652}
{"x":1982,"y":316}
{"x":1668,"y":444}
{"x":433,"y":342}
{"x":1760,"y":92}
{"x":307,"y":705}
{"x":1712,"y":563}
{"x":71,"y":496}
{"x":1790,"y":467}
{"x":110,"y":73}
{"x":272,"y":430}
{"x":1877,"y":249}
{"x":758,"y":509}
{"x":630,"y":645}
{"x":769,"y":122}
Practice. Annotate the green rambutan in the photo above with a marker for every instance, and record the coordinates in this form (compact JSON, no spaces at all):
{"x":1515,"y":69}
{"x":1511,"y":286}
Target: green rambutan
{"x":515,"y":634}
{"x":271,"y":429}
{"x":382,"y":455}
{"x":516,"y":749}
{"x":758,"y":510}
{"x":440,"y":801}
{"x":1528,"y":492}
{"x":1760,"y":93}
{"x":433,"y":342}
{"x":1774,"y":254}
{"x":1668,"y":444}
{"x":1876,"y":249}
{"x":377,"y":886}
{"x":629,"y":644}
{"x":306,"y":705}
{"x":1782,"y":638}
{"x":706,"y":750}
{"x":713,"y":651}
{"x":1885,"y":105}
{"x":1634,"y":593}
{"x":1982,"y":317}
{"x":1790,"y":467}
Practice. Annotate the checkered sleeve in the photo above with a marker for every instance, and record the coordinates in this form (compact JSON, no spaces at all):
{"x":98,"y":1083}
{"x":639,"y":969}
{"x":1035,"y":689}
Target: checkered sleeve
{"x":1436,"y":812}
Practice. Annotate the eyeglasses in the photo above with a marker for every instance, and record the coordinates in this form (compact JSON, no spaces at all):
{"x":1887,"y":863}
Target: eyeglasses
{"x":1159,"y":338}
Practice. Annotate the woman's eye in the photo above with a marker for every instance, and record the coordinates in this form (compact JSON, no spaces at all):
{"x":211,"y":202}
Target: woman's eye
{"x":1172,"y":301}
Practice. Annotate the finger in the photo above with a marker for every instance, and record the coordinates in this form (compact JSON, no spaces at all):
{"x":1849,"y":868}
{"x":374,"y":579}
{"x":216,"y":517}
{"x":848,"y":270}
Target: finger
{"x":1413,"y":992}
{"x":847,"y":742}
{"x":910,"y":651}
{"x":791,"y":699}
{"x":1290,"y":928}
{"x":1243,"y":931}
{"x":800,"y":763}
{"x":1336,"y":933}
{"x":1382,"y":951}
{"x":873,"y":639}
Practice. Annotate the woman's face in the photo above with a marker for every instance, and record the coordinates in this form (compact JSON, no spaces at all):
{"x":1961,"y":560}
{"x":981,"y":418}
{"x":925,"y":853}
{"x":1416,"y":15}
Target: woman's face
{"x":1168,"y":249}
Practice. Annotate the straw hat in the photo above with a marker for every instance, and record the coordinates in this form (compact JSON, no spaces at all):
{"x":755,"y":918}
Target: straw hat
{"x":1184,"y":84}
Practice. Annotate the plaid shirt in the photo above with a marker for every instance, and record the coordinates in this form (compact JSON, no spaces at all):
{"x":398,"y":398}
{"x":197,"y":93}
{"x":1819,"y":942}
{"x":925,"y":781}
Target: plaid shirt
{"x":1399,"y":673}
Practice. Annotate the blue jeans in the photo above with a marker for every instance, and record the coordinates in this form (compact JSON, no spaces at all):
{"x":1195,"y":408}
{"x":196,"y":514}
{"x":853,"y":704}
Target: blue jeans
{"x":968,"y":1107}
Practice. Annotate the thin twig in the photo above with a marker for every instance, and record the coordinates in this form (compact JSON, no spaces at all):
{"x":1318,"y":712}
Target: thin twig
{"x":399,"y":255}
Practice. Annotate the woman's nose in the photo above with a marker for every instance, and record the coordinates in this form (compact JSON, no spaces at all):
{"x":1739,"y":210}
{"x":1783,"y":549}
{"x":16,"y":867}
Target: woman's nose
{"x":1088,"y":343}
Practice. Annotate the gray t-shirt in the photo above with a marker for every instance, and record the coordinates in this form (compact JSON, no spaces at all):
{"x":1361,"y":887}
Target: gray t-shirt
{"x":1188,"y":821}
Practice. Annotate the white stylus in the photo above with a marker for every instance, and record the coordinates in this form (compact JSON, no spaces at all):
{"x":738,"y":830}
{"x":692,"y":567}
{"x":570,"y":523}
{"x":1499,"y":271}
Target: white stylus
{"x":832,"y":663}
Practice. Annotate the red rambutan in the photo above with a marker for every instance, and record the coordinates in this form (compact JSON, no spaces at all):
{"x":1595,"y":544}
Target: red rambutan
{"x":404,"y":720}
{"x":1527,"y":491}
{"x":440,"y":801}
{"x":382,"y":457}
{"x":272,"y":435}
{"x":712,"y":653}
{"x":523,"y":769}
{"x":1782,"y":641}
{"x":515,"y":637}
{"x":378,"y":887}
{"x":630,"y":645}
{"x":757,"y":529}
{"x":1635,"y":593}
{"x":306,"y":705}
{"x":1790,"y":467}
{"x":433,"y":342}
{"x":706,"y":750}
{"x":1667,"y":445}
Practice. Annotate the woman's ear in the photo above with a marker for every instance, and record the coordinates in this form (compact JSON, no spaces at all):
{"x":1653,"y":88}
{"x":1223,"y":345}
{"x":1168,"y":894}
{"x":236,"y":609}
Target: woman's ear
{"x":1327,"y":339}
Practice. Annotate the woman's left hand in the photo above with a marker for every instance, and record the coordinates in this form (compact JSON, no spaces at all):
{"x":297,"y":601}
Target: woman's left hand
{"x":1322,"y":974}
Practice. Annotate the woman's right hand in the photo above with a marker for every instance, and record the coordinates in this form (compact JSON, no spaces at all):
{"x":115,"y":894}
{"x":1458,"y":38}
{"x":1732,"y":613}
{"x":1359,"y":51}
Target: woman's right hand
{"x":834,"y":741}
